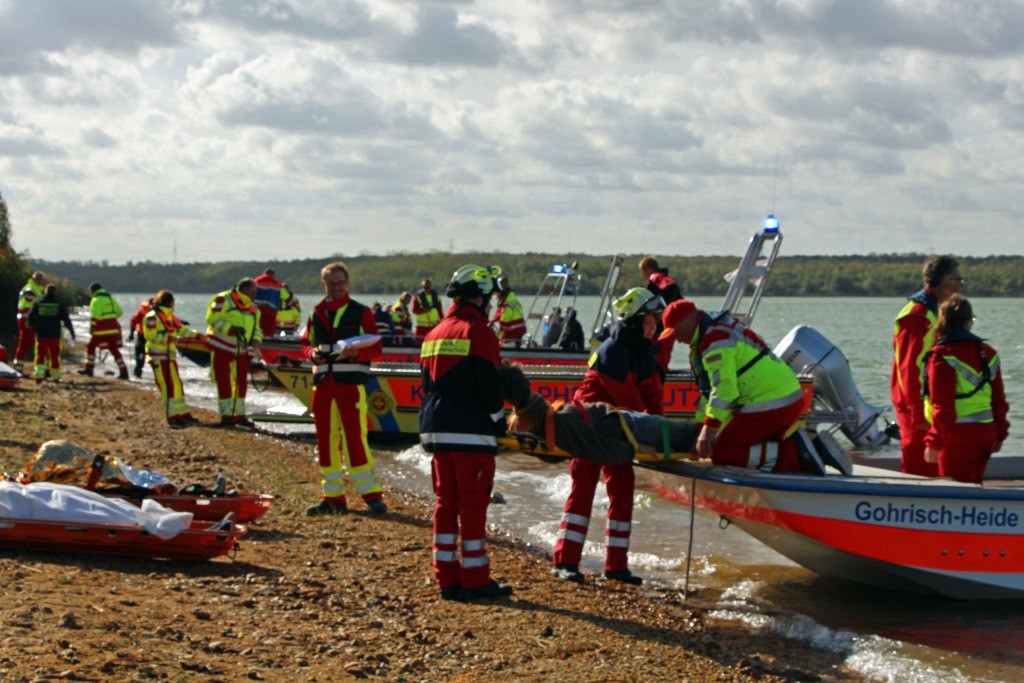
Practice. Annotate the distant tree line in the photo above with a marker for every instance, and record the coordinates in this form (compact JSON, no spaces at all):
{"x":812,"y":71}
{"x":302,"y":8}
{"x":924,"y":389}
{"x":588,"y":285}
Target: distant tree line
{"x":883,"y":275}
{"x":15,"y":270}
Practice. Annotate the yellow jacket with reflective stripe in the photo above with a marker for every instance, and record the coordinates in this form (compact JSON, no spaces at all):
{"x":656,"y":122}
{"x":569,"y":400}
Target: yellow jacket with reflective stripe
{"x":230,"y":312}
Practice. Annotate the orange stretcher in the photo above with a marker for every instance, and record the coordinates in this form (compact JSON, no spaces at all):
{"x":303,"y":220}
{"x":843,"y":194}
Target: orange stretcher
{"x":245,"y":507}
{"x":202,"y":541}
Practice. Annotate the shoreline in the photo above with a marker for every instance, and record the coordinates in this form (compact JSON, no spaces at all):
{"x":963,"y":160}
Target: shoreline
{"x":317,"y":599}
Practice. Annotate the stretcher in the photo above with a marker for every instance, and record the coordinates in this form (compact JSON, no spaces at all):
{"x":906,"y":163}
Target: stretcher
{"x":68,"y":463}
{"x":63,"y":518}
{"x":210,"y":507}
{"x":536,"y":445}
{"x":202,"y":541}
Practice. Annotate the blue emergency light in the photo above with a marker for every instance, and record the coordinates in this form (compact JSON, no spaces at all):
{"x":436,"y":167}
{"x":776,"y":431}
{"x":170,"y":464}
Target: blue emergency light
{"x":770,"y":223}
{"x":559,"y":268}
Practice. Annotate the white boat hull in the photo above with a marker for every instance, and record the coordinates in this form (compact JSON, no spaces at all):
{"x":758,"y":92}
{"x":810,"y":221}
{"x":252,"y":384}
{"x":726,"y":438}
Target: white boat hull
{"x":903,"y":533}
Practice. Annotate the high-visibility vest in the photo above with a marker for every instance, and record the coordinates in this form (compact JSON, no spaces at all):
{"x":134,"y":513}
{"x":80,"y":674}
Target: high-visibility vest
{"x":228,"y":312}
{"x":973,"y":387}
{"x":103,"y":314}
{"x":27,"y":296}
{"x":425,"y":311}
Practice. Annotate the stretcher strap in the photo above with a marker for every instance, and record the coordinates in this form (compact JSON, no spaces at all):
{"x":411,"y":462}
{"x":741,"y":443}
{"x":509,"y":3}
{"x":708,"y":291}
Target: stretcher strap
{"x":666,"y":442}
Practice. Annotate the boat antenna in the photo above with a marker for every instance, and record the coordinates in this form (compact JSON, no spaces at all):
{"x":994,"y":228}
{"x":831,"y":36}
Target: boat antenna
{"x":775,"y":178}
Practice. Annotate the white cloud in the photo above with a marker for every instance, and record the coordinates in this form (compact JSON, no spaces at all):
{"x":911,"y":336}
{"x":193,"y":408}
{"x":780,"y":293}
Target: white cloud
{"x":665,"y":126}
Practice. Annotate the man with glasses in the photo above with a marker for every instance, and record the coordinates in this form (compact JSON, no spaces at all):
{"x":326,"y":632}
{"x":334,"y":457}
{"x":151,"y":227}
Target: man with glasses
{"x":913,"y":335}
{"x":341,"y":339}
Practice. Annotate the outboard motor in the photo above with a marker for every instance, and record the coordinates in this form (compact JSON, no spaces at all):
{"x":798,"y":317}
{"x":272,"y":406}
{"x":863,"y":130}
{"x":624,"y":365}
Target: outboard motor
{"x":807,"y":351}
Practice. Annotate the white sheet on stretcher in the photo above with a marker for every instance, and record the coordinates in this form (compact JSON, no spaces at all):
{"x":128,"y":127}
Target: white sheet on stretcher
{"x":44,"y":501}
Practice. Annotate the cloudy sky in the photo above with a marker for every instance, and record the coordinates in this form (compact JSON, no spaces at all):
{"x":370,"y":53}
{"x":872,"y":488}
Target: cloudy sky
{"x":206,"y":130}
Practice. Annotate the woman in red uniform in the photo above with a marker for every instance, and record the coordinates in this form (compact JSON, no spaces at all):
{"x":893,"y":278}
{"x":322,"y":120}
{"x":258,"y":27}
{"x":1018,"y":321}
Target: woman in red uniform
{"x":964,"y":396}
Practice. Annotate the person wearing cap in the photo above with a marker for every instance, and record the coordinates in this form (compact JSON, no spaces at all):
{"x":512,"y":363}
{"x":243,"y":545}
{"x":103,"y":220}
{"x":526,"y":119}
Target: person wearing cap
{"x":750,"y":400}
{"x":509,"y":315}
{"x":912,"y":337}
{"x":339,"y":403}
{"x":461,"y":416}
{"x":624,"y":373}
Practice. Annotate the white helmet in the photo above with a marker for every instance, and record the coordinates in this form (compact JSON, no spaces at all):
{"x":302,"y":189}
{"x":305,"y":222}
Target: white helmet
{"x":637,"y":302}
{"x":472,"y":280}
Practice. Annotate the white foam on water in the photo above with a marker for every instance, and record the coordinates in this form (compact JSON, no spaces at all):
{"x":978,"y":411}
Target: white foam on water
{"x":877,"y":658}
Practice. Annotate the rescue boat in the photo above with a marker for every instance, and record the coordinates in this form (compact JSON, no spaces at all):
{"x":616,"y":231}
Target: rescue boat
{"x":394,"y":392}
{"x":878,"y":527}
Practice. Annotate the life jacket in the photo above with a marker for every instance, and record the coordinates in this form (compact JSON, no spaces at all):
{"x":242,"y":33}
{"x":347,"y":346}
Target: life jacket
{"x":759,"y":387}
{"x":160,"y":328}
{"x":703,"y":381}
{"x":27,"y":296}
{"x":973,"y":388}
{"x":400,"y":318}
{"x":325,"y":331}
{"x":425,"y":311}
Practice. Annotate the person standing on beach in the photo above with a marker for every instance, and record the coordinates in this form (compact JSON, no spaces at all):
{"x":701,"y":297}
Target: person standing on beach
{"x":461,"y":416}
{"x":160,"y":330}
{"x":136,"y":334}
{"x":341,"y":369}
{"x":965,"y":401}
{"x":233,"y":327}
{"x":624,"y":373}
{"x":913,"y":334}
{"x":105,"y":330}
{"x":45,"y":319}
{"x":426,"y":310}
{"x":27,"y":296}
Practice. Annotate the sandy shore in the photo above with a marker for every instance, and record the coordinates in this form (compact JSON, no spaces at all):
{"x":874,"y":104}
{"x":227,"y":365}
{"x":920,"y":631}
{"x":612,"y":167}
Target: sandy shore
{"x":333,"y":599}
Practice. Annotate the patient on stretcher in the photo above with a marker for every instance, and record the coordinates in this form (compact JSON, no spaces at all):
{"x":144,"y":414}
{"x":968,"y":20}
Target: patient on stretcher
{"x":598,"y":432}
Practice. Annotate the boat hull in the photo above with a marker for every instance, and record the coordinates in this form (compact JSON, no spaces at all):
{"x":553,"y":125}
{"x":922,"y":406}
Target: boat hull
{"x":898,"y":532}
{"x":394,"y":393}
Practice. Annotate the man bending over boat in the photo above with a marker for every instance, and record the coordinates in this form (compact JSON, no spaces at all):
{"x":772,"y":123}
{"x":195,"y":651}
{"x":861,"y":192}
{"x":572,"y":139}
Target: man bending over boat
{"x":598,"y":432}
{"x":750,"y":400}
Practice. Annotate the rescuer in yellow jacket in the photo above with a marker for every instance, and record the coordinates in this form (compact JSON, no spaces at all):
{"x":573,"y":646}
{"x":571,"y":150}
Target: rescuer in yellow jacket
{"x":290,"y":316}
{"x":426,"y":309}
{"x":751,"y":399}
{"x":28,"y":295}
{"x":509,"y":315}
{"x":233,"y":328}
{"x":401,"y":318}
{"x":160,"y":328}
{"x":105,"y":329}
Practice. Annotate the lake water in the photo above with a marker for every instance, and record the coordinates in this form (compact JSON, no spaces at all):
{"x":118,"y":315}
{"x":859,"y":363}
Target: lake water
{"x":886,"y":636}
